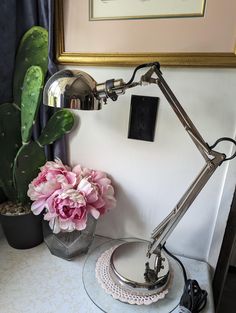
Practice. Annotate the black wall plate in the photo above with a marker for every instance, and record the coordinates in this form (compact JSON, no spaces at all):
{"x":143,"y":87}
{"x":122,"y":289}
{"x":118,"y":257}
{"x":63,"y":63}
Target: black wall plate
{"x":142,"y":119}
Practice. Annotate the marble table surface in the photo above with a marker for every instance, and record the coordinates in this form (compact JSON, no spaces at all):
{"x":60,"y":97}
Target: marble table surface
{"x":34,"y":281}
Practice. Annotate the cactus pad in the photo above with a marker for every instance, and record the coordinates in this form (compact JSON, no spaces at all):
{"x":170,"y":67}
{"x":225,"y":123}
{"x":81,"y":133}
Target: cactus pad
{"x":10,"y":142}
{"x":26,"y":167}
{"x":59,"y":124}
{"x":33,"y":50}
{"x":30,"y":100}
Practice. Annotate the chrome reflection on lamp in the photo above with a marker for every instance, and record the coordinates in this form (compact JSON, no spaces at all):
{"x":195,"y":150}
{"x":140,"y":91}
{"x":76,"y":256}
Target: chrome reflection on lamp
{"x":131,"y":267}
{"x":137,"y":265}
{"x":72,"y":90}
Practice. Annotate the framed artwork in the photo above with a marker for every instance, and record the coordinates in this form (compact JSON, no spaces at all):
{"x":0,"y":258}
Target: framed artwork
{"x":136,"y":9}
{"x":198,"y":33}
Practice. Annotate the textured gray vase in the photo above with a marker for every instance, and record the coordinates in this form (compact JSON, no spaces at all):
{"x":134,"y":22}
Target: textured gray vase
{"x":68,"y":245}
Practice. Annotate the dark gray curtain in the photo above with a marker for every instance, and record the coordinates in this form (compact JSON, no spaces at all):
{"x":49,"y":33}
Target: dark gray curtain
{"x":16,"y":17}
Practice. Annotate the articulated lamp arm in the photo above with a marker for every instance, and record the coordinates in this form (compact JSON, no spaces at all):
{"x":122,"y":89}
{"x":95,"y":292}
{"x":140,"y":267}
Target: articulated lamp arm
{"x":78,"y":90}
{"x":213,"y":159}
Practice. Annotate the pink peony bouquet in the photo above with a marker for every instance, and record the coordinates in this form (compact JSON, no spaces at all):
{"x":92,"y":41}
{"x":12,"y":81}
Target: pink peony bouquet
{"x":69,"y":195}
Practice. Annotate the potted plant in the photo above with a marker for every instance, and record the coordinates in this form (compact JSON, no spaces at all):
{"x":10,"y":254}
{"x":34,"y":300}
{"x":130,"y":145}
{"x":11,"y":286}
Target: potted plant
{"x":21,"y":157}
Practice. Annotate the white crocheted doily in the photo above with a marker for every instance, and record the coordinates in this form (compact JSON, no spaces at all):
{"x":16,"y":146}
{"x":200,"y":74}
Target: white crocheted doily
{"x":104,"y":278}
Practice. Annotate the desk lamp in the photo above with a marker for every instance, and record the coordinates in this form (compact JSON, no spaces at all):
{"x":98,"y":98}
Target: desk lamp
{"x":139,"y":266}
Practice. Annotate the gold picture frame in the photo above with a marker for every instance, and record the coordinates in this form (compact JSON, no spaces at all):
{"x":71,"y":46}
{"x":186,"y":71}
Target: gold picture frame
{"x":198,"y":59}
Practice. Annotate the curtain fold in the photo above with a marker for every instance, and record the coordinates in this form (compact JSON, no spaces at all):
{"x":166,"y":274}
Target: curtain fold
{"x":16,"y":17}
{"x":8,"y":45}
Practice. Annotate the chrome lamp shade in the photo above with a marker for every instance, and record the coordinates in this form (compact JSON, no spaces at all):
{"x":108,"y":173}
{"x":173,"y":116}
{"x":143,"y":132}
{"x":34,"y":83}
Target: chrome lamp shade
{"x":72,"y":90}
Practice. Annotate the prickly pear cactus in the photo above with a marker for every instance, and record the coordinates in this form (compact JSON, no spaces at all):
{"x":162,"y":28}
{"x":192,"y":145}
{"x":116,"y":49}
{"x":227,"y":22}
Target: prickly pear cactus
{"x":30,"y":100}
{"x":20,"y":157}
{"x":33,"y":50}
{"x":10,"y":142}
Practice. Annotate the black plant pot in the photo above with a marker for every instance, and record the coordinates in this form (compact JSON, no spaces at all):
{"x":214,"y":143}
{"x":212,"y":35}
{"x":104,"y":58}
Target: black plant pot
{"x":22,"y":231}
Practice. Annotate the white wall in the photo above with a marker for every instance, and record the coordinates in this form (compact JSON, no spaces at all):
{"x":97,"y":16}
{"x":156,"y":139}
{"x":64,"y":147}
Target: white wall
{"x":149,"y":178}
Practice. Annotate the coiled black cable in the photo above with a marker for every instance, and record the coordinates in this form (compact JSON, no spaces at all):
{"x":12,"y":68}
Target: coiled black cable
{"x":194,"y":298}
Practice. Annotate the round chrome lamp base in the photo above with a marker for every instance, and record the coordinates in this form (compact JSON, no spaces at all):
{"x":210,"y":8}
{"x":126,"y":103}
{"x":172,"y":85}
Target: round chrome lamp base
{"x":109,"y":297}
{"x":132,"y":270}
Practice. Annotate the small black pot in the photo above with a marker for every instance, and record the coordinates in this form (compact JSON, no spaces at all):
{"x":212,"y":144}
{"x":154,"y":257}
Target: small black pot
{"x":22,"y":231}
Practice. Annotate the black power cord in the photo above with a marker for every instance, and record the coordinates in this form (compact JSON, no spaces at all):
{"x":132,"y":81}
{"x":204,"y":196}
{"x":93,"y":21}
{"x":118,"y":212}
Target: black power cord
{"x":193,"y":299}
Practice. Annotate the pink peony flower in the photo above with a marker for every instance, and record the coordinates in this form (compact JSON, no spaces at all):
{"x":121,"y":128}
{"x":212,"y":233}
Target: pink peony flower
{"x":68,"y":196}
{"x":105,"y":192}
{"x":53,"y":176}
{"x":66,"y":210}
